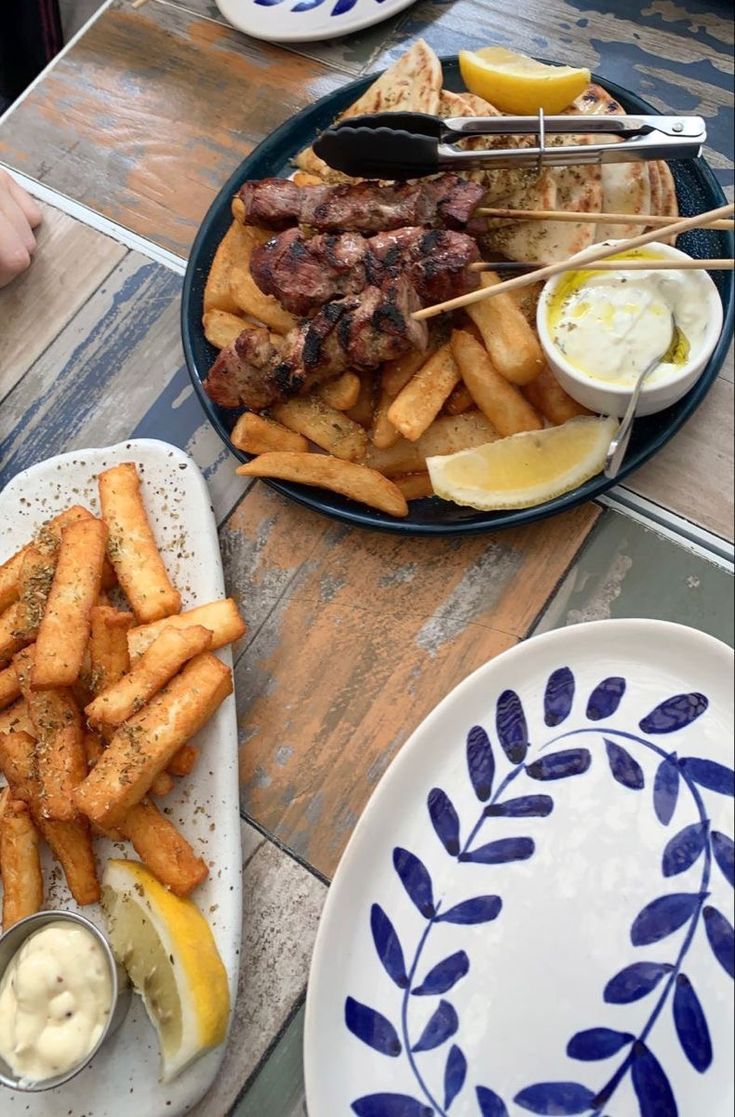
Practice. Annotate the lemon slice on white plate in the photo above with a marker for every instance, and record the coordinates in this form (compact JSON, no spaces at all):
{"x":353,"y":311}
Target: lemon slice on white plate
{"x":520,"y":85}
{"x":167,"y":947}
{"x":525,"y":469}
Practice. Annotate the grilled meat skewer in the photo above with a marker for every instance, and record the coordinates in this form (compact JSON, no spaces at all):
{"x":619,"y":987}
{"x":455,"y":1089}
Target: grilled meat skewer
{"x":446,"y":202}
{"x":305,"y":272}
{"x":359,"y":332}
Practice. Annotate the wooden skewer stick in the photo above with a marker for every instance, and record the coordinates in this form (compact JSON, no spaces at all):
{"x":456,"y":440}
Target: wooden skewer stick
{"x":592,"y":218}
{"x":635,"y":265}
{"x":581,"y":260}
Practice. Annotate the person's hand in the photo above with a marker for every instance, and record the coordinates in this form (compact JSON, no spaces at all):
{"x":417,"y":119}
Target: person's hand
{"x":19,"y":216}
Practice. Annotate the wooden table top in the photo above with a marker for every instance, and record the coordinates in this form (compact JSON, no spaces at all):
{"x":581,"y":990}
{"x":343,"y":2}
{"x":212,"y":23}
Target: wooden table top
{"x":353,"y":637}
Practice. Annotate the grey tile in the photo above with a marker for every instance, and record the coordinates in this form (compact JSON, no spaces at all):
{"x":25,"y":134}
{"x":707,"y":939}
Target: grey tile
{"x":278,"y":1090}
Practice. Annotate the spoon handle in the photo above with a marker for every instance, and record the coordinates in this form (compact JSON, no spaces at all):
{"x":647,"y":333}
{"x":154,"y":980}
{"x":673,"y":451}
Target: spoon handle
{"x":619,"y":444}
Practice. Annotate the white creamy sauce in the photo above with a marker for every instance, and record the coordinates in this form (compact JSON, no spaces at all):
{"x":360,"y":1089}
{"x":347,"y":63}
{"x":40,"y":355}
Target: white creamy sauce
{"x":611,"y":325}
{"x":55,"y":998}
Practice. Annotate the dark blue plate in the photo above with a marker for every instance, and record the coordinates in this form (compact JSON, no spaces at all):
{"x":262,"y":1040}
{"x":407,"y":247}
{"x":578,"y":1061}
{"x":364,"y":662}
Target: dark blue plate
{"x":697,"y":190}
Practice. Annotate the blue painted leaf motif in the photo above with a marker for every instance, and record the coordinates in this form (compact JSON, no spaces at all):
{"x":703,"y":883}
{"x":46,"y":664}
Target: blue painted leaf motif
{"x":480,"y":762}
{"x":388,"y":947}
{"x":444,"y":819}
{"x":490,"y":1103}
{"x":605,"y":698}
{"x":624,"y":768}
{"x":655,"y":1096}
{"x":559,"y":765}
{"x":666,"y":790}
{"x":691,"y":1025}
{"x":501,"y":851}
{"x":709,"y":774}
{"x":415,"y":879}
{"x":483,"y":909}
{"x":597,"y":1043}
{"x":372,"y":1028}
{"x":556,"y":1097}
{"x":721,"y":937}
{"x":441,"y":1027}
{"x":634,"y":982}
{"x":511,"y":727}
{"x":724,"y":853}
{"x":455,"y":1073}
{"x":684,"y":849}
{"x":674,"y":713}
{"x":526,"y":806}
{"x":662,"y":917}
{"x":443,"y":976}
{"x":559,"y":696}
{"x":343,"y":6}
{"x":390,"y":1105}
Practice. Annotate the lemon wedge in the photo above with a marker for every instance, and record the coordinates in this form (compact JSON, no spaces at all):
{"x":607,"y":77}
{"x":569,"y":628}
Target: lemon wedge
{"x":169,"y":952}
{"x":524,"y":469}
{"x":520,"y":85}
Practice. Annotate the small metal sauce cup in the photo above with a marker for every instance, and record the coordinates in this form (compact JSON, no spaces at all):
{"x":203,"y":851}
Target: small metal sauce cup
{"x":10,"y":944}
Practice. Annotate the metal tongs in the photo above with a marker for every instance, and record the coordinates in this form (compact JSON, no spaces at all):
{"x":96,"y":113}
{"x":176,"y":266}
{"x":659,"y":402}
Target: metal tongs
{"x":401,"y":145}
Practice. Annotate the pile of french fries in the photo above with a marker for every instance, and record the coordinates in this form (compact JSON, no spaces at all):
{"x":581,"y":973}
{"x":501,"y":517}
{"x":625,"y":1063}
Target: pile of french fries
{"x":103,"y":682}
{"x":368,"y":435}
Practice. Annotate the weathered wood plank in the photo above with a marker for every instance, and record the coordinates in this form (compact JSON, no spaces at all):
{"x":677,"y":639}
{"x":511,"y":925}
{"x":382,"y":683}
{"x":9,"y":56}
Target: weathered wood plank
{"x":70,"y":262}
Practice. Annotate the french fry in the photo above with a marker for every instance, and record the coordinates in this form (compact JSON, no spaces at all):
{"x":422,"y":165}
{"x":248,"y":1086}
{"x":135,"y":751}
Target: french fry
{"x":20,"y":864}
{"x":57,"y":726}
{"x":414,"y":486}
{"x":144,"y":745}
{"x":221,"y":327}
{"x":500,"y":401}
{"x":396,"y":374}
{"x":527,"y":299}
{"x":245,"y":292}
{"x":362,"y":410}
{"x":510,"y":341}
{"x":47,"y":540}
{"x":34,"y":586}
{"x":357,"y":482}
{"x":163,"y":849}
{"x":341,"y":393}
{"x":11,"y":636}
{"x":255,"y":434}
{"x":382,"y":433}
{"x":459,"y":401}
{"x":234,"y":245}
{"x":162,"y":784}
{"x":418,"y":404}
{"x":333,"y":430}
{"x":183,"y":761}
{"x":9,"y":686}
{"x":303,"y":178}
{"x":70,"y":842}
{"x":109,"y":659}
{"x":64,"y":631}
{"x":159,"y":663}
{"x":16,"y":719}
{"x":132,"y":547}
{"x":546,"y":394}
{"x":93,"y":747}
{"x":220,"y":617}
{"x":9,"y":575}
{"x":446,"y":435}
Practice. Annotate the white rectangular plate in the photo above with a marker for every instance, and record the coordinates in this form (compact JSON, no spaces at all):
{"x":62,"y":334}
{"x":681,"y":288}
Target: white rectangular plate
{"x":122,"y":1081}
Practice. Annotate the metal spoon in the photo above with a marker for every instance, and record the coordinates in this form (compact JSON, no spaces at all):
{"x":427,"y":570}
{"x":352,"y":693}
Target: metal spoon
{"x":619,"y":444}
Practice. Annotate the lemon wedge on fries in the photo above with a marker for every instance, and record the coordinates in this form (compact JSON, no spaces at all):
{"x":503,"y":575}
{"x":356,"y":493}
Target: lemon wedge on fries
{"x":525,"y":469}
{"x":520,"y":85}
{"x":169,"y":952}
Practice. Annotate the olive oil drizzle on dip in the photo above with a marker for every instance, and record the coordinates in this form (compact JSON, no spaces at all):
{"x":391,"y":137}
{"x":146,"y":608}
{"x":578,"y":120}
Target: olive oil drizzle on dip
{"x":611,"y":325}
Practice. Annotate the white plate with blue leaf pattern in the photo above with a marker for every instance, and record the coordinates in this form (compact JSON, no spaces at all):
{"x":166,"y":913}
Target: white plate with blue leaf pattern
{"x":534,"y":914}
{"x":305,"y":21}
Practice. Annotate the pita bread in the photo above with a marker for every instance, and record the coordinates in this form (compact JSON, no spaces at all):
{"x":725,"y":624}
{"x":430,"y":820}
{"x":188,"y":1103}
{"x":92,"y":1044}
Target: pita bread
{"x":669,"y":202}
{"x":412,"y":84}
{"x":654,"y":178}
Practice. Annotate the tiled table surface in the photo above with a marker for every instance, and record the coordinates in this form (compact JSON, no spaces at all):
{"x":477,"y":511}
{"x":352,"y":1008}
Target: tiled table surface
{"x":90,"y":353}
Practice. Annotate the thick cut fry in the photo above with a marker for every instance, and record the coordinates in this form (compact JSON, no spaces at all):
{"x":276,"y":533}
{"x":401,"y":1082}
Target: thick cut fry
{"x":342,"y":393}
{"x":57,"y":726}
{"x":62,"y":637}
{"x":382,"y":433}
{"x":16,"y":719}
{"x":159,"y":663}
{"x":220,"y":617}
{"x":109,"y":659}
{"x":257,"y":435}
{"x":163,"y":849}
{"x":34,"y":587}
{"x":47,"y":539}
{"x":70,"y":842}
{"x":183,"y":762}
{"x":221,"y":327}
{"x":9,"y":686}
{"x":162,"y":784}
{"x":20,"y":864}
{"x":527,"y":299}
{"x":510,"y":341}
{"x":418,"y":404}
{"x":9,"y":576}
{"x":245,"y":291}
{"x":334,"y":431}
{"x":459,"y":401}
{"x":303,"y":178}
{"x":446,"y":435}
{"x":414,"y":486}
{"x":362,"y":410}
{"x":357,"y":482}
{"x":11,"y":636}
{"x":546,"y":394}
{"x":146,"y":743}
{"x":500,"y":401}
{"x":234,"y":246}
{"x":396,"y":374}
{"x":132,"y":547}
